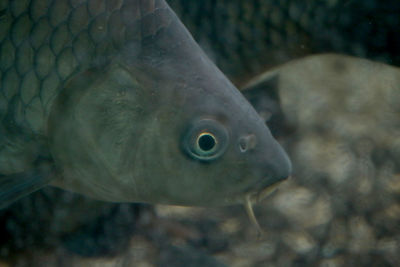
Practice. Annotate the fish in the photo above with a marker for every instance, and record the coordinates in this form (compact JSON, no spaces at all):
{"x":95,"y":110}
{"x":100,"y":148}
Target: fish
{"x":116,"y":101}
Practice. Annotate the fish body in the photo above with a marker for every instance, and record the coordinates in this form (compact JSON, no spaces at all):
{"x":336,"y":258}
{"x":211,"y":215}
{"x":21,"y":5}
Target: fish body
{"x":352,"y":85}
{"x":116,"y":101}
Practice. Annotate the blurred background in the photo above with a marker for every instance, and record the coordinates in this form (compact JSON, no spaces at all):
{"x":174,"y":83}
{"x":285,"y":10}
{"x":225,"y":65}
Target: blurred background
{"x":338,"y":117}
{"x":246,"y":37}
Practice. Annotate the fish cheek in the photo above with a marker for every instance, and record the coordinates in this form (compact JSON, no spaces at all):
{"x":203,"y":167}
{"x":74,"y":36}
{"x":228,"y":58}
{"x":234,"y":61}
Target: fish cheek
{"x":197,"y":184}
{"x":165,"y":173}
{"x":206,"y":183}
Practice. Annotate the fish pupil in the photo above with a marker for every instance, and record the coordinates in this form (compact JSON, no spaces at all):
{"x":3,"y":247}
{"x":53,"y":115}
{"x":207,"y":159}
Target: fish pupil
{"x":206,"y":142}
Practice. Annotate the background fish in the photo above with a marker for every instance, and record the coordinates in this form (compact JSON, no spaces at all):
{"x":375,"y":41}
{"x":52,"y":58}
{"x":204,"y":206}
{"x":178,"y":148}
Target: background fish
{"x":343,"y":116}
{"x":247,"y":37}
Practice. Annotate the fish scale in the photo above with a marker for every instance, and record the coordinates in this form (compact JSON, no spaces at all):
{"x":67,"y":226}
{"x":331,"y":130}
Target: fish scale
{"x":42,"y":44}
{"x":46,"y":43}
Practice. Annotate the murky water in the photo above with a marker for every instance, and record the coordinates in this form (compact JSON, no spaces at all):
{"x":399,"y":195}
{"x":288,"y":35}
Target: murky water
{"x":337,"y":116}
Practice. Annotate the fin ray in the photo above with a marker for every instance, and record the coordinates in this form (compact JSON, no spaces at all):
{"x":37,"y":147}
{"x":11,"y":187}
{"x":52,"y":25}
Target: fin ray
{"x":16,"y":186}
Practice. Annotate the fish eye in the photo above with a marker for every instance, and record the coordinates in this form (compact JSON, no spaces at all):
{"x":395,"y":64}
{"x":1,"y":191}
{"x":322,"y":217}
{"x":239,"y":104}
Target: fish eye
{"x":206,"y":140}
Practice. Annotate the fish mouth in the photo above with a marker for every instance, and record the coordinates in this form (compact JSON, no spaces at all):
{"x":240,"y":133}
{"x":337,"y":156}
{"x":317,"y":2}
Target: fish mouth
{"x":263,"y":189}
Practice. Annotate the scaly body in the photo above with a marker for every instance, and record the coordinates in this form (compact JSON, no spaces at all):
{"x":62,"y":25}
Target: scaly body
{"x":42,"y":44}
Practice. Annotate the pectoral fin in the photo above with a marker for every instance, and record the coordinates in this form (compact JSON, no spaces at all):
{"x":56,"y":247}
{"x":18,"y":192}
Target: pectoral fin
{"x":16,"y":186}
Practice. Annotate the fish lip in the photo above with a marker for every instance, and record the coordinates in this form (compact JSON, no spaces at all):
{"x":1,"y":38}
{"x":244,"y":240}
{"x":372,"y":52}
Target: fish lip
{"x":256,"y":192}
{"x":264,"y":187}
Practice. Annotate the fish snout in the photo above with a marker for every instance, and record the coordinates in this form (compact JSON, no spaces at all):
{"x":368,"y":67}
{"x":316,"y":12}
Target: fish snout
{"x":279,"y":165}
{"x":276,"y":169}
{"x":283,"y":165}
{"x":275,"y":157}
{"x":270,"y":160}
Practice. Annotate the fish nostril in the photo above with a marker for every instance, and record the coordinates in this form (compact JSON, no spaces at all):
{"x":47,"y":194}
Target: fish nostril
{"x":242,"y":145}
{"x":247,"y":142}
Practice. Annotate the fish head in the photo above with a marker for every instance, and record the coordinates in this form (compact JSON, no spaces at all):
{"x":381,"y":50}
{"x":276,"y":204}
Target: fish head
{"x":162,"y":124}
{"x":208,"y":146}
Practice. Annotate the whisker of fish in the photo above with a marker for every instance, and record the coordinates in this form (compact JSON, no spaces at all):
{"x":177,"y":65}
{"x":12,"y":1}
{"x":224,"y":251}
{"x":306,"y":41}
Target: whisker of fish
{"x":251,"y":198}
{"x":250,"y":212}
